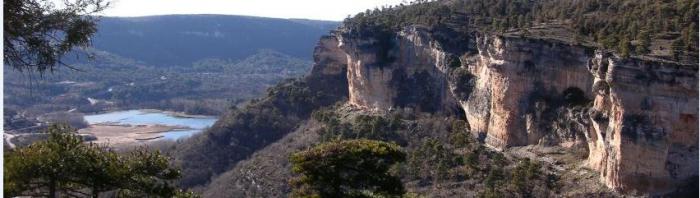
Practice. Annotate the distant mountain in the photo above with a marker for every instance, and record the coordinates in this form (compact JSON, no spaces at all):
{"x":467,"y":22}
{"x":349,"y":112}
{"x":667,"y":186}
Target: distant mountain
{"x":170,"y":62}
{"x":183,"y":39}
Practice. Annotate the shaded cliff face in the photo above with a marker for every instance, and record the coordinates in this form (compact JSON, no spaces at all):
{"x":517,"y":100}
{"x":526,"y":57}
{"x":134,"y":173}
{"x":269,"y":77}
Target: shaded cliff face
{"x":408,"y":70}
{"x":637,"y":117}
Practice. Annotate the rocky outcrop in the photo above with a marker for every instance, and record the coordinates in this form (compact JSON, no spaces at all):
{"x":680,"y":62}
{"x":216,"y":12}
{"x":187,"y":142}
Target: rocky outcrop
{"x":637,"y":116}
{"x":645,"y":123}
{"x":411,"y":72}
{"x":641,"y":130}
{"x":517,"y":78}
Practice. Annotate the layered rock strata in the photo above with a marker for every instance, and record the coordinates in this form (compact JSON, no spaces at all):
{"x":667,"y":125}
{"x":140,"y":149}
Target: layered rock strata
{"x":644,"y":133}
{"x":638,"y":116}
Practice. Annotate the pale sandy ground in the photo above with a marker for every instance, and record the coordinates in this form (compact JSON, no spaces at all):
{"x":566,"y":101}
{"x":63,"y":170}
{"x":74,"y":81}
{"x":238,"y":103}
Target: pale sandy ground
{"x":121,"y":135}
{"x":174,"y":113}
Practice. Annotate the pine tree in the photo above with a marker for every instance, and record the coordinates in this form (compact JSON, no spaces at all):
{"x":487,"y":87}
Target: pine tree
{"x":677,"y":49}
{"x":690,"y":37}
{"x":65,"y":166}
{"x":352,"y":168}
{"x":37,"y":33}
{"x":643,"y":42}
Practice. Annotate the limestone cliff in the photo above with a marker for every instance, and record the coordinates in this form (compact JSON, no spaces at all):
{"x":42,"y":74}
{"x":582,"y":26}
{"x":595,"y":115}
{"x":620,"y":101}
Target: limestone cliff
{"x":414,"y":63}
{"x":519,"y":77}
{"x":645,"y":123}
{"x":637,"y":116}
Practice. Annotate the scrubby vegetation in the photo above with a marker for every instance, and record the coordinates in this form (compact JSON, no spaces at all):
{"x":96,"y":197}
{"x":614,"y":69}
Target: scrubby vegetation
{"x":243,"y":131}
{"x":363,"y":126}
{"x":431,"y":161}
{"x":440,"y":151}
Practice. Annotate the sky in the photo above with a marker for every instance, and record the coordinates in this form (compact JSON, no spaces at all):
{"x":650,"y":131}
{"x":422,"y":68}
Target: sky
{"x":334,"y":10}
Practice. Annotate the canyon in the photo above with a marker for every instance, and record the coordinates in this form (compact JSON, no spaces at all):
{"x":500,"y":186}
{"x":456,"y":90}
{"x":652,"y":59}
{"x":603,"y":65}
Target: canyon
{"x":477,"y":89}
{"x":636,"y":115}
{"x":424,"y":98}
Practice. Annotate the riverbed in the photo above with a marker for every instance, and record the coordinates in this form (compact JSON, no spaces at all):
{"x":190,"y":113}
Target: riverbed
{"x":144,"y":125}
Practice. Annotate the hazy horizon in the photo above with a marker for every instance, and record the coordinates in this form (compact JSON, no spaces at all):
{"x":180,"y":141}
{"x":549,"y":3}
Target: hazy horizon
{"x":329,"y":10}
{"x":233,"y":15}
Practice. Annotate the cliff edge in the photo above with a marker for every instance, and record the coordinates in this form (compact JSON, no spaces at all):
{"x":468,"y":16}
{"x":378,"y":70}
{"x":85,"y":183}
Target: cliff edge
{"x":637,"y":115}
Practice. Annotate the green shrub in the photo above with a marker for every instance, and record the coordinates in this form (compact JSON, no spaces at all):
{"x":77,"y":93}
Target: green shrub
{"x":350,"y":168}
{"x":459,"y":137}
{"x":432,"y":160}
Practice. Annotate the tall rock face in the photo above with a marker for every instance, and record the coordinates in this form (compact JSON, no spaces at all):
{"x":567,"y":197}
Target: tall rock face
{"x":329,"y":69}
{"x":637,"y":116}
{"x":517,"y":80}
{"x":645,"y":123}
{"x":408,"y":69}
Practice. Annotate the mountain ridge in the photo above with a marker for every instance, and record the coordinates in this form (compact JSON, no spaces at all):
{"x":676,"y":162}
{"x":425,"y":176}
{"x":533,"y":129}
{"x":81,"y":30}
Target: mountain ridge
{"x":182,"y":39}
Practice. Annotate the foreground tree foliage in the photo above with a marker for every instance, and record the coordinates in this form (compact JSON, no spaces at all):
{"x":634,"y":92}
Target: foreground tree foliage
{"x":37,"y":33}
{"x":65,"y":166}
{"x":351,"y":168}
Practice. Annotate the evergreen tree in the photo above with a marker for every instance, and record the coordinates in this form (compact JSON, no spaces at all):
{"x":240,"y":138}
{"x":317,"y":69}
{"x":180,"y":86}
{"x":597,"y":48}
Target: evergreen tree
{"x":351,"y":168}
{"x":643,"y":42}
{"x":690,"y":37}
{"x":624,"y":47}
{"x":65,"y":166}
{"x":677,"y":47}
{"x":37,"y":34}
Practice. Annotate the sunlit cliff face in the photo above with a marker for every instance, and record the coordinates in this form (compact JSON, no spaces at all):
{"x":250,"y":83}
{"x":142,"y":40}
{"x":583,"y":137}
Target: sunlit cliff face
{"x":638,"y":117}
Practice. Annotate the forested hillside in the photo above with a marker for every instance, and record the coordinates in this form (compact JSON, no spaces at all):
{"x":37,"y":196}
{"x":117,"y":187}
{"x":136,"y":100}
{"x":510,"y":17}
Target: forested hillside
{"x":183,"y":39}
{"x":665,"y":29}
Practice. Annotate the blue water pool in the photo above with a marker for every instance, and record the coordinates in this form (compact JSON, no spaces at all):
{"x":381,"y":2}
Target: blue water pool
{"x":137,"y":117}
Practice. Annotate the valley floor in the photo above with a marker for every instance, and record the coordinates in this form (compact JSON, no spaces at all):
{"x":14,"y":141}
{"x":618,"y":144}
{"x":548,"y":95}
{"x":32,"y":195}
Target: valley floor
{"x":127,"y":135}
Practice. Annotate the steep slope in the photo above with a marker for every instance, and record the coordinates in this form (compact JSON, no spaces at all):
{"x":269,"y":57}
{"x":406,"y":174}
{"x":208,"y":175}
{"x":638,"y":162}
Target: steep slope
{"x":267,"y":171}
{"x":546,"y":85}
{"x":240,"y":133}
